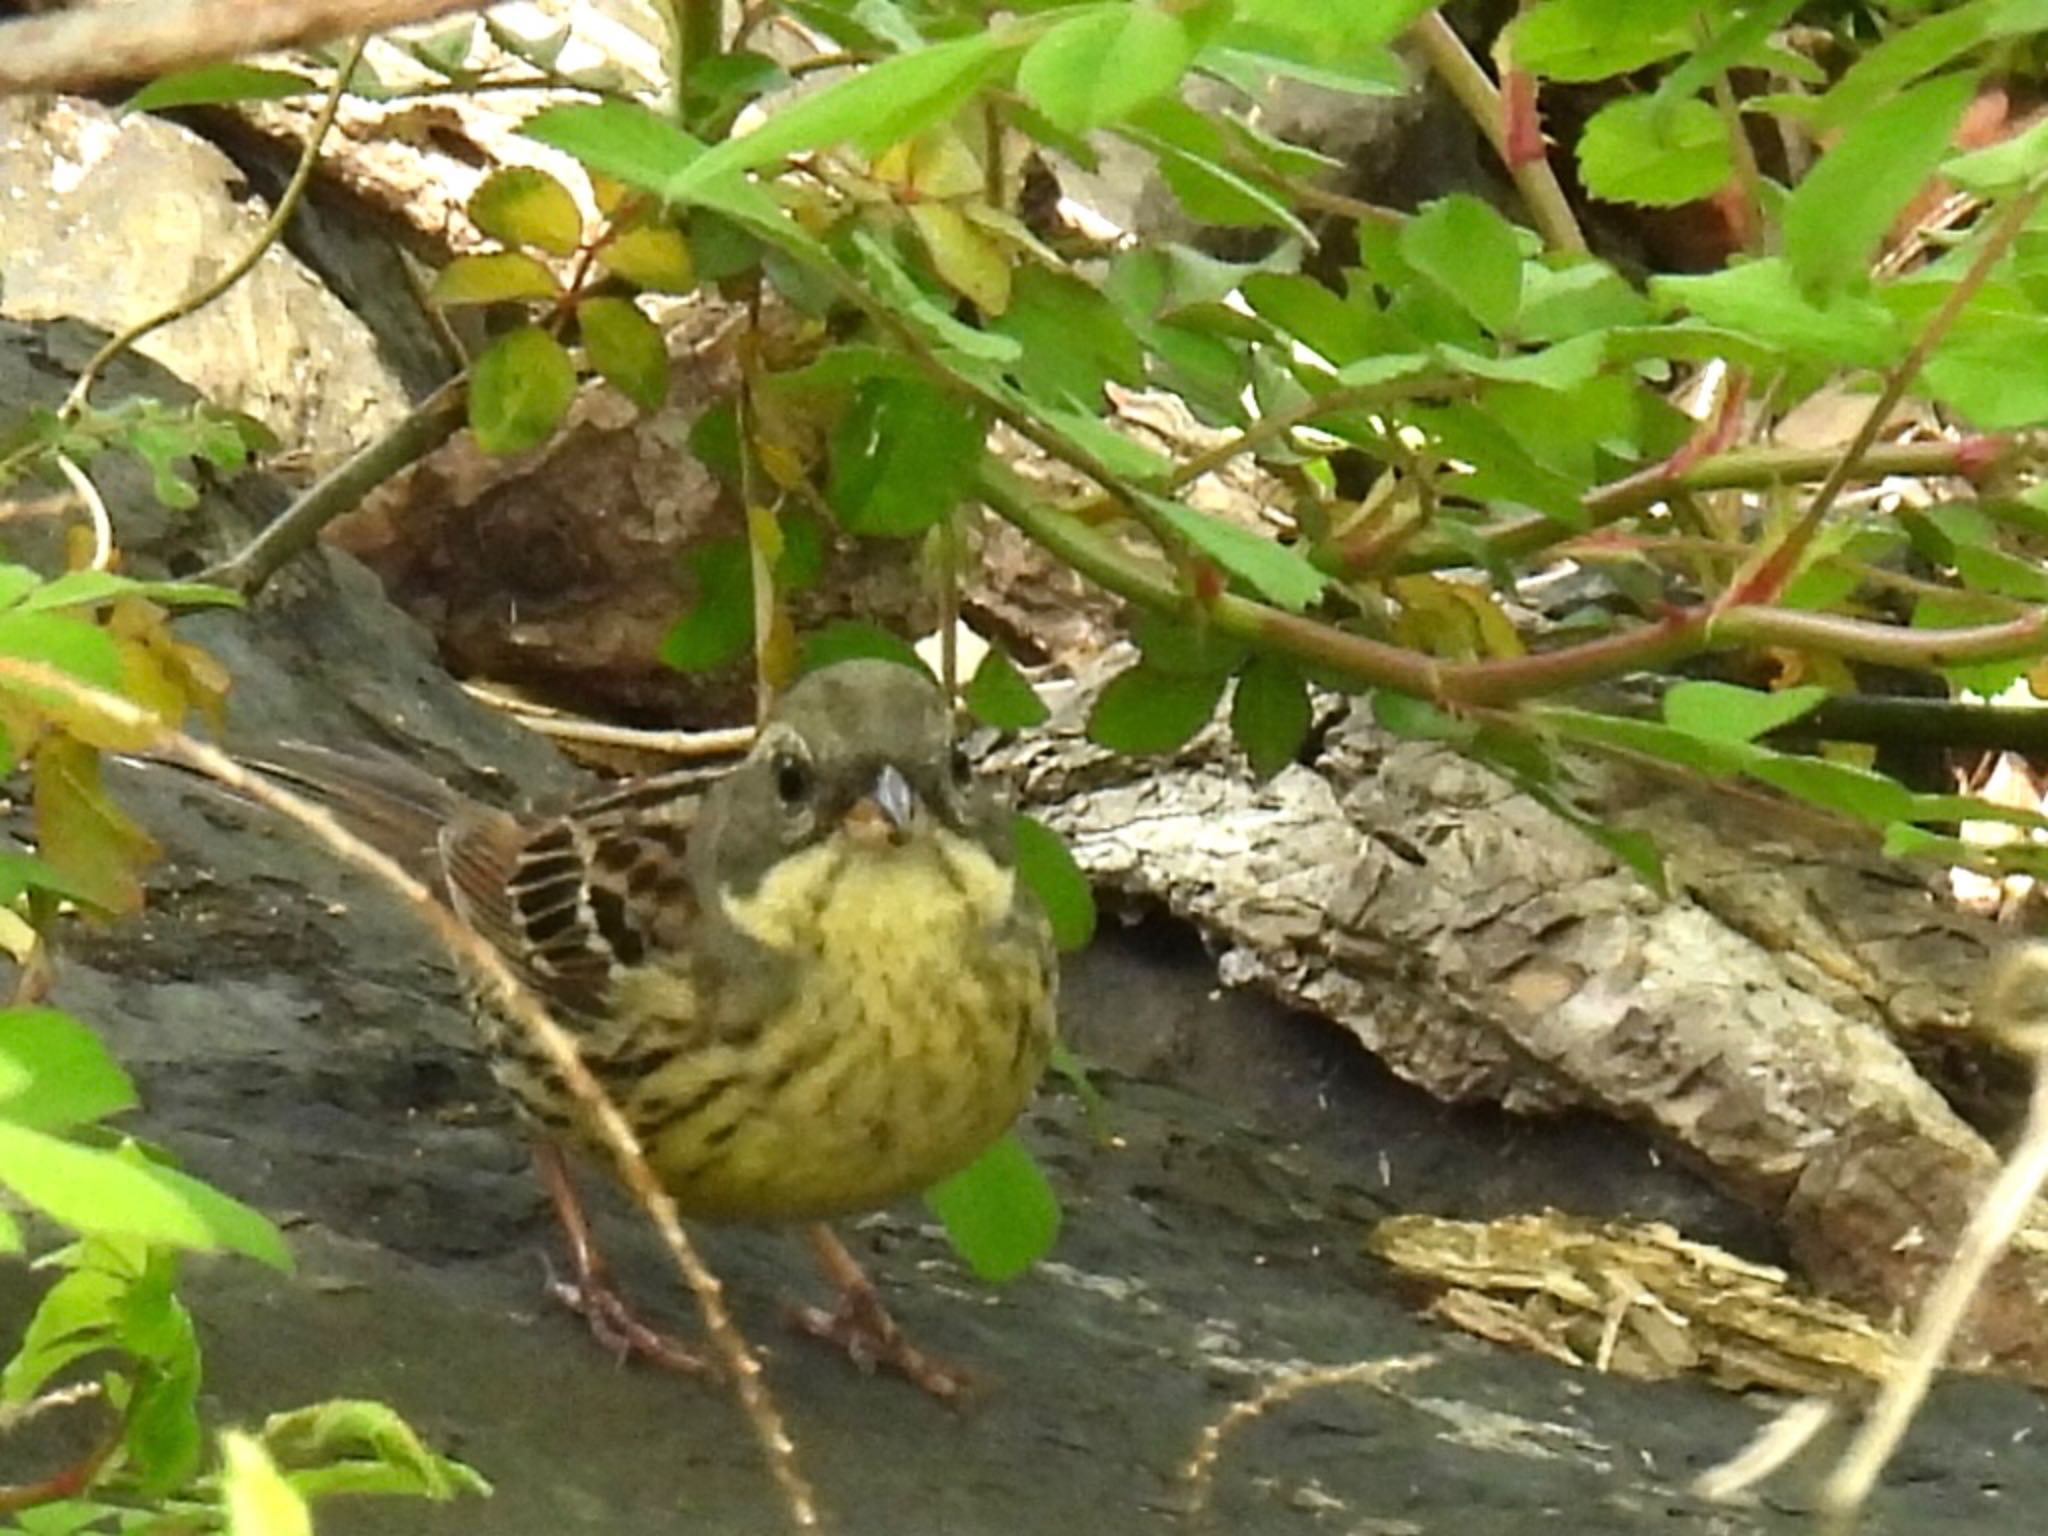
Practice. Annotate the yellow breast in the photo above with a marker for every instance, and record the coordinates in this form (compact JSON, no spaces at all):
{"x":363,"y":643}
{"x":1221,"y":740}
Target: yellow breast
{"x":919,"y":1022}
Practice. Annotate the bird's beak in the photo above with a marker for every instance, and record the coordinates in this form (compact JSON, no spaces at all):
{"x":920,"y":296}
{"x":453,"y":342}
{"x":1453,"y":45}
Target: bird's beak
{"x":885,"y":813}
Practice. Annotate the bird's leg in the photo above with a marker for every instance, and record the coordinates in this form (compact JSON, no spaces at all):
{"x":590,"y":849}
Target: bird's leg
{"x":862,"y":1326}
{"x":591,"y":1293}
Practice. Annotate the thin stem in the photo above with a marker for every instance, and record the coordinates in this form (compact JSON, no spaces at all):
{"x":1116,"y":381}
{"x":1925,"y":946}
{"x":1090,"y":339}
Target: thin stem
{"x":1741,"y":469}
{"x":1279,"y":423}
{"x":1778,"y":563}
{"x":1998,"y":1216}
{"x":1468,"y":83}
{"x":273,"y":228}
{"x":430,"y":424}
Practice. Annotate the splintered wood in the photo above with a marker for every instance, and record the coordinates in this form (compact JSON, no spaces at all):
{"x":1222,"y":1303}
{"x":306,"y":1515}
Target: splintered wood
{"x":1634,"y":1300}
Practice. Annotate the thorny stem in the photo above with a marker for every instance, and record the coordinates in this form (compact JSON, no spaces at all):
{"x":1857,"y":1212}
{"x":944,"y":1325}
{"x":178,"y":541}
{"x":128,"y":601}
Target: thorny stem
{"x":1510,"y":680}
{"x":1460,"y":72}
{"x":508,"y":992}
{"x":1741,"y":469}
{"x":273,"y":228}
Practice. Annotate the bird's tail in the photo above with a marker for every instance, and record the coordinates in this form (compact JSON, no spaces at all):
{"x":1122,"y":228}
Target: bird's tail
{"x":396,"y":808}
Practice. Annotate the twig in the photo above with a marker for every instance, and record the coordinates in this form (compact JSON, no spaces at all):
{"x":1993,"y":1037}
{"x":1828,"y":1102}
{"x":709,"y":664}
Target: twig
{"x":1200,"y":1470}
{"x":510,"y":994}
{"x":95,"y":508}
{"x":1991,"y":1228}
{"x":432,"y":423}
{"x":1755,"y":468}
{"x":1784,"y":1437}
{"x":1534,"y":179}
{"x":79,"y":49}
{"x":273,"y":227}
{"x":683,"y":744}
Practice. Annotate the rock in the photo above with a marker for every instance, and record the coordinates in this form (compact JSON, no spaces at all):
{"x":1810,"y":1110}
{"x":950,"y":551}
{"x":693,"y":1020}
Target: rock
{"x":112,"y":220}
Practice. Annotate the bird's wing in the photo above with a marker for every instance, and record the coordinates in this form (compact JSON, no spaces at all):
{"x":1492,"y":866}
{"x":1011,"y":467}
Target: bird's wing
{"x":571,"y":900}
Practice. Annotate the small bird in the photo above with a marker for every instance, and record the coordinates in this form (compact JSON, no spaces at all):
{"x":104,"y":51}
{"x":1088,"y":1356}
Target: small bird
{"x":814,"y":985}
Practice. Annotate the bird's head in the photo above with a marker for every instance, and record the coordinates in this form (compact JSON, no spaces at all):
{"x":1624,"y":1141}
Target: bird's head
{"x":861,"y":752}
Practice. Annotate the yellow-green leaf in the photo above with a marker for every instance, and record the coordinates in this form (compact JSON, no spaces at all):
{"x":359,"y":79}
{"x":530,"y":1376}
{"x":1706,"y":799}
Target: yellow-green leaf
{"x":522,"y":205}
{"x":257,"y":1498}
{"x":626,"y":348}
{"x":494,"y":278}
{"x":653,"y":257}
{"x":965,"y":258}
{"x":83,"y":835}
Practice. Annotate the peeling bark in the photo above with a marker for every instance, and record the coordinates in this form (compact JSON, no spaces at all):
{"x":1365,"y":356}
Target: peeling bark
{"x":1764,"y":1018}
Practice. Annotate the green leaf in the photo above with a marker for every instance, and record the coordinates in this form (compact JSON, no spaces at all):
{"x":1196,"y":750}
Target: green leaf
{"x":75,"y":646}
{"x":1868,"y":796}
{"x":1046,"y":865}
{"x":1724,"y":712}
{"x":215,"y":84}
{"x":1635,"y":150}
{"x":999,"y":1212}
{"x":903,"y":456}
{"x":1270,"y":714}
{"x":1593,"y":39}
{"x":1193,"y":155}
{"x":494,"y":278}
{"x":1277,"y":571}
{"x":1761,"y":299}
{"x":623,"y":140}
{"x":1916,"y":50}
{"x":1470,"y":252}
{"x":90,"y":1190}
{"x":1578,"y":295}
{"x":1717,"y":757}
{"x":1413,"y":719}
{"x":1104,"y":63}
{"x":230,"y":1224}
{"x":999,"y":697}
{"x":652,"y":257}
{"x":1145,"y":711}
{"x":720,"y":624}
{"x":2003,"y":167}
{"x":447,"y":51}
{"x":875,"y":108}
{"x":54,"y":1073}
{"x":348,"y":1446}
{"x":77,"y":589}
{"x":1836,"y":216}
{"x":1192,"y":649}
{"x":624,"y":346}
{"x":520,"y":390}
{"x":523,"y":205}
{"x":850,"y":639}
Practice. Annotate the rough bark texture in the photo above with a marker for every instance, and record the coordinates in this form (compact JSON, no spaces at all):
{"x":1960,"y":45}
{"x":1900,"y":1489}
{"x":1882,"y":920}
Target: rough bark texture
{"x":1764,"y":1018}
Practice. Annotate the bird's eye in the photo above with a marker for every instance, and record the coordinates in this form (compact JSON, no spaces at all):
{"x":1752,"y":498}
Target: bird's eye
{"x":792,"y":779}
{"x":958,"y":765}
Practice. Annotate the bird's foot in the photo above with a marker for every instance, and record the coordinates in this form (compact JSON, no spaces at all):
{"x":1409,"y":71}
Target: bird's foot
{"x":862,"y":1327}
{"x":591,"y":1294}
{"x":616,"y":1327}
